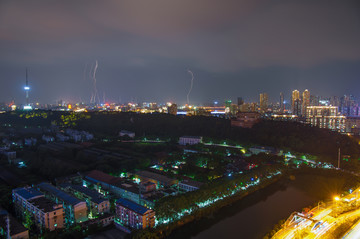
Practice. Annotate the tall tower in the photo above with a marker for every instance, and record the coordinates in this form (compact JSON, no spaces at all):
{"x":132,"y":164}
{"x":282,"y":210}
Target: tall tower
{"x":305,"y":101}
{"x":294,"y":96}
{"x":27,"y":89}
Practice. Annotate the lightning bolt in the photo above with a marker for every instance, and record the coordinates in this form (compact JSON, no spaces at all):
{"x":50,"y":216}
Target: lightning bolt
{"x":191,"y":86}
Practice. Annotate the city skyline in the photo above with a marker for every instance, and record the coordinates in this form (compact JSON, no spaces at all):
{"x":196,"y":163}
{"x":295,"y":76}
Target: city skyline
{"x":144,"y":51}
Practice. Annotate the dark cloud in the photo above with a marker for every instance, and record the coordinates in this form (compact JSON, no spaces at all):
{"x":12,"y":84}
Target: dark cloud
{"x":145,"y":47}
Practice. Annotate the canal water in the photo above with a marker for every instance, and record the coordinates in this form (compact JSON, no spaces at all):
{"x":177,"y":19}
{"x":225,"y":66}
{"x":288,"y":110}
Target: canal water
{"x":256,"y":214}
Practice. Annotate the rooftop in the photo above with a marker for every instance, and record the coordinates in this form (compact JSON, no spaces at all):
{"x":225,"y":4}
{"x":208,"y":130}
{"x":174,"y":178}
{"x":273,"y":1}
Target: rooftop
{"x":103,"y":177}
{"x":28,"y":193}
{"x":192,"y":137}
{"x":192,"y":183}
{"x":44,"y":204}
{"x":128,"y":186}
{"x":132,"y":206}
{"x":59,"y":193}
{"x":157,"y":177}
{"x":95,"y":196}
{"x":126,"y":132}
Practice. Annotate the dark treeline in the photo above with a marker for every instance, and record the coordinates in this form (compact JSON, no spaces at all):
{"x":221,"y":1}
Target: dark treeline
{"x":280,"y":134}
{"x":289,"y":135}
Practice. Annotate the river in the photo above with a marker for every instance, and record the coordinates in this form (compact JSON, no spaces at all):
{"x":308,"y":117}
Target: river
{"x":255,"y":215}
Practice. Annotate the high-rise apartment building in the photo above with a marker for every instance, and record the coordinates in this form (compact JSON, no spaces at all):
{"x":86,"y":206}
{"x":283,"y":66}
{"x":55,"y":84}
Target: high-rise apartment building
{"x":334,"y":101}
{"x":263,"y":102}
{"x":240,"y":101}
{"x":314,"y":100}
{"x":295,"y":97}
{"x":297,"y":107}
{"x":348,"y":106}
{"x":305,"y":102}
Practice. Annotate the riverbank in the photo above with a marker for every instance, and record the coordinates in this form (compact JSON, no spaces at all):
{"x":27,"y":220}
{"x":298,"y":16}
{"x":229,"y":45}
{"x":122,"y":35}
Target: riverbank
{"x":199,"y":213}
{"x":256,"y":214}
{"x":340,"y":186}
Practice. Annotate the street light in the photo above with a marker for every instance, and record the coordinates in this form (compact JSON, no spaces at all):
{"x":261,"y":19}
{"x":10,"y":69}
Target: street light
{"x":336,"y":199}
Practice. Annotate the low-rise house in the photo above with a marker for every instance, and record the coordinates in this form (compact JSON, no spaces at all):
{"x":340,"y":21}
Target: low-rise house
{"x":189,"y":185}
{"x":62,"y":138}
{"x":266,"y":150}
{"x":100,"y":180}
{"x":190,"y":140}
{"x":103,"y":220}
{"x":147,"y":187}
{"x":158,"y":179}
{"x":123,"y":133}
{"x":48,"y":138}
{"x":10,"y":155}
{"x":128,"y":190}
{"x":30,"y":141}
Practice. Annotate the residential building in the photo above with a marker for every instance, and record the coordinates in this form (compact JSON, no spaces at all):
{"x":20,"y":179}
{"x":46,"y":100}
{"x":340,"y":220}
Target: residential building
{"x":240,"y":101}
{"x":126,"y":133}
{"x":294,"y":96}
{"x":100,"y":180}
{"x":17,"y":230}
{"x":95,"y":201}
{"x":326,"y":117}
{"x":189,"y":185}
{"x":353,"y":125}
{"x":75,"y":209}
{"x":305,"y":102}
{"x":43,"y":212}
{"x":297,"y":107}
{"x":184,"y":140}
{"x":158,"y":179}
{"x":134,"y":216}
{"x":263,"y":102}
{"x":246,"y":119}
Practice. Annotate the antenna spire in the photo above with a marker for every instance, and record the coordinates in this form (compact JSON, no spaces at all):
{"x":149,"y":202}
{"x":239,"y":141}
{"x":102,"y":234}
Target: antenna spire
{"x":27,"y":83}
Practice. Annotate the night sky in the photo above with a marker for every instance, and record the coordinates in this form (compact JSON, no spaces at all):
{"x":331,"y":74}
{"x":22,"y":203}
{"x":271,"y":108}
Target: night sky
{"x":145,"y":47}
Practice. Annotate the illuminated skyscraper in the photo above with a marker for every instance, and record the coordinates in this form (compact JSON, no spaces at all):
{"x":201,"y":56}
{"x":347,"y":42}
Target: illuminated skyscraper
{"x":294,"y":96}
{"x":263,"y":102}
{"x":305,"y":101}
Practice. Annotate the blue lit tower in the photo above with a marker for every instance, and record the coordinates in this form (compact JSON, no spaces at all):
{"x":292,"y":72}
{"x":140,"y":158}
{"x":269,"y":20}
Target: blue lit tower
{"x":27,"y":89}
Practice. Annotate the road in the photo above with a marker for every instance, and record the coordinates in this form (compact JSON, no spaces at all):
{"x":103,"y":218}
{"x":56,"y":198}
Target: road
{"x":322,"y":221}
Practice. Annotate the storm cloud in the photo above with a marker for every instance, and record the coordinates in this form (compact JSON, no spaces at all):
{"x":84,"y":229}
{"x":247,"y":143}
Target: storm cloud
{"x":144,"y":48}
